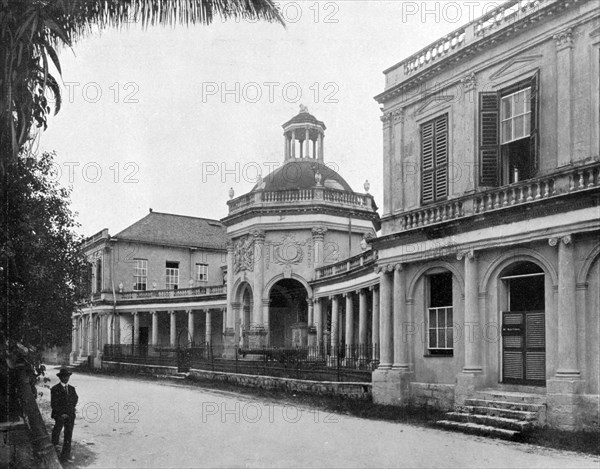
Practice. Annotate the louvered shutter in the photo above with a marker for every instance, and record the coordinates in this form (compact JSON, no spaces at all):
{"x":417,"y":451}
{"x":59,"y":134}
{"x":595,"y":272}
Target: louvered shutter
{"x":534,"y":140}
{"x":441,"y":157}
{"x":427,"y":162}
{"x":489,"y":138}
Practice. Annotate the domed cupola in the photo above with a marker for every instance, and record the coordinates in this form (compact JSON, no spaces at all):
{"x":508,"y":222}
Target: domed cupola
{"x":304,"y":166}
{"x":303,"y":136}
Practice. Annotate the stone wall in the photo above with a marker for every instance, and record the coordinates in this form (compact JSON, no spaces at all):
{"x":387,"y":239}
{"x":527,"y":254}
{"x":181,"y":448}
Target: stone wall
{"x":439,"y":396}
{"x":360,"y":391}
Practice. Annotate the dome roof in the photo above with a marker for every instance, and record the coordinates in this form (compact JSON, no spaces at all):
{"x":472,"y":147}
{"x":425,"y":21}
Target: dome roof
{"x":304,"y":117}
{"x":300,"y":174}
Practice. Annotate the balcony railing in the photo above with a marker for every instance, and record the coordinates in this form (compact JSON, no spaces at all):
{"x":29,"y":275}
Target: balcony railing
{"x":494,"y":20}
{"x":347,"y":265}
{"x":146,"y":294}
{"x":522,"y":193}
{"x":295,"y":197}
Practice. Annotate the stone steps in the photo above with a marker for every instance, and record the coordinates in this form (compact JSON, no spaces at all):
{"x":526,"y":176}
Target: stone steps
{"x":477,"y":429}
{"x":501,"y":414}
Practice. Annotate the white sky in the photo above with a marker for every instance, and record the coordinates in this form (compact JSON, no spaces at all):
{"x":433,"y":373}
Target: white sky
{"x":139,"y":127}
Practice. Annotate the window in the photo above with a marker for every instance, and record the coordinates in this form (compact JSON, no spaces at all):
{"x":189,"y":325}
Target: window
{"x":98,"y":275}
{"x":434,"y":160}
{"x":508,"y":134}
{"x":439,"y":314}
{"x":172,"y":275}
{"x":202,"y":272}
{"x":140,"y":274}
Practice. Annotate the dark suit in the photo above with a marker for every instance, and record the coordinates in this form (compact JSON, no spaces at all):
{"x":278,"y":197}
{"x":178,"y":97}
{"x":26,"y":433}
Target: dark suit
{"x":63,"y":404}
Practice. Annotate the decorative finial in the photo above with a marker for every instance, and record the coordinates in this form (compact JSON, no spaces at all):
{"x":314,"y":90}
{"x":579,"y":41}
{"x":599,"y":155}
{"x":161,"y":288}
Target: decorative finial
{"x":231,"y":192}
{"x":303,"y":108}
{"x":367,"y":186}
{"x":121,"y":287}
{"x":318,"y":178}
{"x":150,"y":209}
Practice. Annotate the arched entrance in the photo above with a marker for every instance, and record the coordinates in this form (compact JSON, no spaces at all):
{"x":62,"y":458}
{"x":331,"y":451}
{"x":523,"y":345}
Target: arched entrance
{"x":288,"y":314}
{"x":522,"y":298}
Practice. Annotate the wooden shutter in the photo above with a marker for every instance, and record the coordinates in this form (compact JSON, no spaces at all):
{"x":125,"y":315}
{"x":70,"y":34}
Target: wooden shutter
{"x":534,"y":139}
{"x":489,"y":138}
{"x":427,"y":162}
{"x":441,"y":157}
{"x":434,"y":159}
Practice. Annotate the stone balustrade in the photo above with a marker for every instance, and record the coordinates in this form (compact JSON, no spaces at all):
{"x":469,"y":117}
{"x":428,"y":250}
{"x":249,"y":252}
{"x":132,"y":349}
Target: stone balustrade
{"x":146,"y":294}
{"x":347,"y":265}
{"x":321,"y":195}
{"x":501,"y":17}
{"x":525,"y":192}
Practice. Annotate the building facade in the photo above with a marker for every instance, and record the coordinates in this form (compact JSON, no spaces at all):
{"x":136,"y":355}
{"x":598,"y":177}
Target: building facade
{"x":159,"y":282}
{"x":488,"y":259}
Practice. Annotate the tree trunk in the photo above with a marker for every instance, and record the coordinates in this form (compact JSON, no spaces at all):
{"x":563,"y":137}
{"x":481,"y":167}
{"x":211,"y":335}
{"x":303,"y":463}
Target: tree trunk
{"x":43,"y":449}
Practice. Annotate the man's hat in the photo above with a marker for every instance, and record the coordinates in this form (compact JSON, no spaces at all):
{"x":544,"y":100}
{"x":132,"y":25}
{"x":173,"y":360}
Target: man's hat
{"x":63,"y":372}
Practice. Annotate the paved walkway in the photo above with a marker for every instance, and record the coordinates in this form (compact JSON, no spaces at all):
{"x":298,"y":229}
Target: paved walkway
{"x":134,"y":423}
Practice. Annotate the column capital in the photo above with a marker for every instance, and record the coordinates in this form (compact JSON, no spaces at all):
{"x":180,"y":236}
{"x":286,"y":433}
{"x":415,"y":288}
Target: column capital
{"x":564,"y":39}
{"x":189,"y":311}
{"x":566,"y":240}
{"x":470,"y":255}
{"x":318,"y":232}
{"x":229,"y":244}
{"x":373,"y":287}
{"x":552,"y":241}
{"x":469,"y":82}
{"x":398,"y":267}
{"x":258,"y":235}
{"x":386,"y":118}
{"x":309,"y":301}
{"x":390,"y":267}
{"x":398,"y":116}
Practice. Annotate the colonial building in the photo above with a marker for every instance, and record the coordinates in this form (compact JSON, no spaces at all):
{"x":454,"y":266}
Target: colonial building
{"x":159,"y":282}
{"x":488,"y":259}
{"x":482,"y":290}
{"x":300,"y":217}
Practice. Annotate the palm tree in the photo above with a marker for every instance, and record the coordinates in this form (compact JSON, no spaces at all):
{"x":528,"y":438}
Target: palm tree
{"x":31,"y":31}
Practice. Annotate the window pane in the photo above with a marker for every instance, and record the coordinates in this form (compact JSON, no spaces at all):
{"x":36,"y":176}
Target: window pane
{"x":432,"y":318}
{"x":450,"y":338}
{"x":518,"y":128}
{"x":432,"y":338}
{"x":506,"y":108}
{"x":506,"y":131}
{"x":527,"y":125}
{"x":441,"y":338}
{"x":441,"y":318}
{"x":528,"y":100}
{"x":518,"y":103}
{"x":449,"y":316}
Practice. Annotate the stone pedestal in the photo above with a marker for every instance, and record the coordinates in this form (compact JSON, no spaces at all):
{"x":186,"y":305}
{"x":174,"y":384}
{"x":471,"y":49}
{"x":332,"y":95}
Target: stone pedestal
{"x":73,"y":356}
{"x":299,"y":334}
{"x":312,"y":337}
{"x":98,"y":360}
{"x":564,"y":403}
{"x":257,"y":338}
{"x":466,"y":385}
{"x":229,"y":343}
{"x":391,"y":387}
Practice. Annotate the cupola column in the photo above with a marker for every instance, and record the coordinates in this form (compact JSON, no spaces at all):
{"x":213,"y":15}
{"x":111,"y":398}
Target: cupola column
{"x":321,"y":147}
{"x":307,"y":143}
{"x":286,"y":146}
{"x":293,"y":144}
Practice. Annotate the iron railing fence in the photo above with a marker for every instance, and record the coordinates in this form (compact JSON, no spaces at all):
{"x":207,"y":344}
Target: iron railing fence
{"x":346,"y":363}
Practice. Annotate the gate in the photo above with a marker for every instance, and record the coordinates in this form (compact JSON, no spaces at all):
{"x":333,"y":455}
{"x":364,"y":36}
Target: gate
{"x":524,"y":348}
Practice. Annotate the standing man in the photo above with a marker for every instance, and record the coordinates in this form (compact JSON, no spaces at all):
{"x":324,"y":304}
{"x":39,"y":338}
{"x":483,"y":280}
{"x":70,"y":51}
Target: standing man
{"x":63,"y":399}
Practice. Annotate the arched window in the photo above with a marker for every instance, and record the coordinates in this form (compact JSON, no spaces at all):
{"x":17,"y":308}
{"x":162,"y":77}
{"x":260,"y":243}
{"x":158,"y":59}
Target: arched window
{"x":440,"y":312}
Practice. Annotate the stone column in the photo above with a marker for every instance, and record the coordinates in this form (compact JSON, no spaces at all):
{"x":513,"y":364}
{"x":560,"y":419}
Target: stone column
{"x":473,"y":350}
{"x":74,"y":347}
{"x":257,"y":290}
{"x":318,"y":313}
{"x":116,"y":329}
{"x":230,"y":319}
{"x":568,"y":366}
{"x":173,"y":328}
{"x":321,"y":147}
{"x":136,"y":327}
{"x":286,"y":146}
{"x":335,"y":315}
{"x":349,"y":324}
{"x":399,"y":319}
{"x":307,"y":143}
{"x":386,"y":353}
{"x":155,"y":328}
{"x":293,"y":144}
{"x":191,"y":329}
{"x":310,"y":306}
{"x":208,"y":331}
{"x":362,"y":322}
{"x":388,"y":154}
{"x":375,"y":322}
{"x":564,"y":64}
{"x":318,"y":236}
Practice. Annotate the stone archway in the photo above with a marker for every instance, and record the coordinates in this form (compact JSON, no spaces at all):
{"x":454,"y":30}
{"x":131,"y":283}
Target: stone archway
{"x":288,"y":314}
